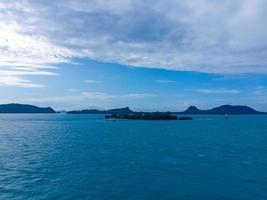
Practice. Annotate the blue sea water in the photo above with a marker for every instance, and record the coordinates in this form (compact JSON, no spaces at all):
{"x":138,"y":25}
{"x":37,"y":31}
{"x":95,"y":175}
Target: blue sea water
{"x":86,"y":157}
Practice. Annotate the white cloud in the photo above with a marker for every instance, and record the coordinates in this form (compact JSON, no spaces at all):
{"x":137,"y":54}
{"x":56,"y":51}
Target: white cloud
{"x":165,"y":81}
{"x":105,"y":96}
{"x":23,"y":73}
{"x":137,"y":96}
{"x":85,"y":96}
{"x":202,"y":35}
{"x":73,"y":90}
{"x":14,"y":76}
{"x":91,"y":81}
{"x":217,"y":91}
{"x":18,"y":82}
{"x":23,"y":54}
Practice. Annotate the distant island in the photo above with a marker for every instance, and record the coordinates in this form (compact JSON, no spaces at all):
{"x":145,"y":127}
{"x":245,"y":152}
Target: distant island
{"x":146,"y":116}
{"x":192,"y":110}
{"x":21,"y":108}
{"x":221,"y":110}
{"x":126,"y":110}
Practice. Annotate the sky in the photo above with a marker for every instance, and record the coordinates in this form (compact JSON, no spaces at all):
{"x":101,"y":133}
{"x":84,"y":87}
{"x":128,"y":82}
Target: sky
{"x":149,"y":55}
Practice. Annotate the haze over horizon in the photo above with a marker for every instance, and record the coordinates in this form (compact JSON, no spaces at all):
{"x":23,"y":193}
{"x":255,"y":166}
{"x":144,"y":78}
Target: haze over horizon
{"x":148,"y":55}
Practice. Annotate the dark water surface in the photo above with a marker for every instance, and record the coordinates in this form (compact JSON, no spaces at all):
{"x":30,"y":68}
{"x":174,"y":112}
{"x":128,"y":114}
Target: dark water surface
{"x":85,"y":157}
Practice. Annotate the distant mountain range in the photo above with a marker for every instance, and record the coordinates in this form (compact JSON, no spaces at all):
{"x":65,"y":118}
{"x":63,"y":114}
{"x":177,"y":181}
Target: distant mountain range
{"x":126,"y":110}
{"x":232,"y":110}
{"x":21,"y":108}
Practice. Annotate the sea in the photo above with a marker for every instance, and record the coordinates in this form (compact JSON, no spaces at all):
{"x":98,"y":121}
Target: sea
{"x":72,"y":157}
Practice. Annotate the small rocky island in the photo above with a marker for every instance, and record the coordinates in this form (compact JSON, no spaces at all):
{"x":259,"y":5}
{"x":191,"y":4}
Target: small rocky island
{"x":146,"y":116}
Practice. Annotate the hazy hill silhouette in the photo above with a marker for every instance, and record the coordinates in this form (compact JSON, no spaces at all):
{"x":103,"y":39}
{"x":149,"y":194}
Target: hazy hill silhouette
{"x":22,"y":108}
{"x":229,"y":109}
{"x":126,"y":110}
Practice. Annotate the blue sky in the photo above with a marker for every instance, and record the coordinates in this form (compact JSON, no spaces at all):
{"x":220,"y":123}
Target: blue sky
{"x":149,"y":55}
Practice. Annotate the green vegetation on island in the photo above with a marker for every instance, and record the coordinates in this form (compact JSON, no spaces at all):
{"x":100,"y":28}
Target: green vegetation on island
{"x":146,"y":116}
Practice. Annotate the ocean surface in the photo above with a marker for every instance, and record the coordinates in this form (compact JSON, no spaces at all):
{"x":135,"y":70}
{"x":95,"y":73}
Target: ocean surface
{"x":86,"y":157}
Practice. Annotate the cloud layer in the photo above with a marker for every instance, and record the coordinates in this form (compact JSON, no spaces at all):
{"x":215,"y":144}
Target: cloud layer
{"x":202,"y":35}
{"x":217,"y":91}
